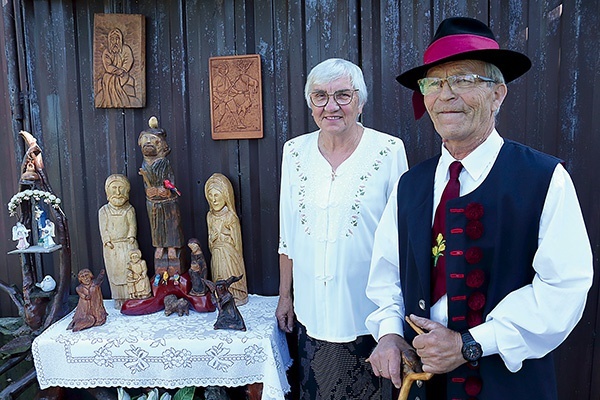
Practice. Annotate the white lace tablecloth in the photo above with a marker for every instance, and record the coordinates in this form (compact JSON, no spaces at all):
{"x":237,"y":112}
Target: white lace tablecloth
{"x":170,"y":352}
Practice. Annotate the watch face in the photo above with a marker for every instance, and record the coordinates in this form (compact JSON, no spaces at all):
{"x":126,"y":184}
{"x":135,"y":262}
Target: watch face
{"x":472,"y":352}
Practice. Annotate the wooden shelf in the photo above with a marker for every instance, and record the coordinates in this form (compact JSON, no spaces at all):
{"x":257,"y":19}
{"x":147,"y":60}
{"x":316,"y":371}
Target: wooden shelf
{"x":37,"y":249}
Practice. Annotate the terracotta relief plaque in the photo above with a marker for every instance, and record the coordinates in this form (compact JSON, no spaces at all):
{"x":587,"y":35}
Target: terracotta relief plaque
{"x":236,"y":97}
{"x":119,"y":61}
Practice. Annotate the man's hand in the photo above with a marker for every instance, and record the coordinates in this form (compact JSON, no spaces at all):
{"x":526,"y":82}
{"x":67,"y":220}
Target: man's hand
{"x":439,"y":348}
{"x":285,"y":314}
{"x":386,"y":358}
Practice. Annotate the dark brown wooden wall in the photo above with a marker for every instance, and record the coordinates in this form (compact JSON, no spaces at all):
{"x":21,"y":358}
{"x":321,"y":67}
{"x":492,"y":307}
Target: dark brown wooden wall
{"x":46,"y":87}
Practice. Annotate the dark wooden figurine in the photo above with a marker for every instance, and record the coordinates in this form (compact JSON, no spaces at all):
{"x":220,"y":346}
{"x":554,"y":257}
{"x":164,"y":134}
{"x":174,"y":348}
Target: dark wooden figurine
{"x":90,"y":309}
{"x":229,"y":316}
{"x":198,"y":268}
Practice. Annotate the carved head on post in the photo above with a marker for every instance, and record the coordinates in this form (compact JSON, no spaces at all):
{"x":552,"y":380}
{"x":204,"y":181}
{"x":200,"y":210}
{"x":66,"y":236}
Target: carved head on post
{"x":153,"y":141}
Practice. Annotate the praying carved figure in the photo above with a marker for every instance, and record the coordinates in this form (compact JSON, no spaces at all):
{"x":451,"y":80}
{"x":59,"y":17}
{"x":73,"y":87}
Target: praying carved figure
{"x":225,"y":236}
{"x":90,"y":309}
{"x":118,"y":230}
{"x":138,"y":282}
{"x":161,"y":199}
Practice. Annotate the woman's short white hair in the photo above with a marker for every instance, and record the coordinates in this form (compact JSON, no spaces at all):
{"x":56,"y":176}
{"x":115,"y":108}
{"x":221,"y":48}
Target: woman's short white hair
{"x":336,"y":68}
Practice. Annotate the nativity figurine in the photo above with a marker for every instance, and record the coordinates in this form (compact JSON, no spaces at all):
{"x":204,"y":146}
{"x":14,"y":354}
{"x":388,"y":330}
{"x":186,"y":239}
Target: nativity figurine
{"x":118,"y":230}
{"x":229,"y":317}
{"x":198,"y":269}
{"x":225,"y":236}
{"x":90,"y":309}
{"x":47,"y":234}
{"x":161,"y":199}
{"x":138,"y":282}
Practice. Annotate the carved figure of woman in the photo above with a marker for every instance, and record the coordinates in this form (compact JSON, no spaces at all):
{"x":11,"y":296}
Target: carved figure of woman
{"x":198,"y":268}
{"x":225,"y":236}
{"x":90,"y":309}
{"x":138,"y":282}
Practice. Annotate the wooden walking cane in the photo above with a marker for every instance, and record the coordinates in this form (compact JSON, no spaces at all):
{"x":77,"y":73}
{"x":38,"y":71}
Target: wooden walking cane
{"x":408,"y":370}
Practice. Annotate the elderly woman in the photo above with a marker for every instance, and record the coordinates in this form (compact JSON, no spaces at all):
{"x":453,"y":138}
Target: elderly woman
{"x":335,"y":183}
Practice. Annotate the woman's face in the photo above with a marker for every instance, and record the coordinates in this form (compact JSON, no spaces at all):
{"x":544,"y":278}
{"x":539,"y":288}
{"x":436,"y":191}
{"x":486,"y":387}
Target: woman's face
{"x":193,"y":246}
{"x":333,"y":118}
{"x":216,"y":200}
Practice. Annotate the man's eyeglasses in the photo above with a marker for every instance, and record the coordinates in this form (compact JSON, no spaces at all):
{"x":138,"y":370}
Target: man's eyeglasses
{"x":320,"y":98}
{"x":457,"y":83}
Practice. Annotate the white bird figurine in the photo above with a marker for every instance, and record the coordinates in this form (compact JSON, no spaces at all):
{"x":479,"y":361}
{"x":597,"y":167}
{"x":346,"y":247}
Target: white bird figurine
{"x":47,"y":284}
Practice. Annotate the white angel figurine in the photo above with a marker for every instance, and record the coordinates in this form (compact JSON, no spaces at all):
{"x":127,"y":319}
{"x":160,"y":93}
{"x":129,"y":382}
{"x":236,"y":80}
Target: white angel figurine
{"x":20,"y":233}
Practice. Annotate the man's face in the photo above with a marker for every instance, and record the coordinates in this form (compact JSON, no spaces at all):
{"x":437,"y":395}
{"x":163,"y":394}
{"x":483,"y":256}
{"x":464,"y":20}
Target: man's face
{"x":463,"y":115}
{"x":118,"y":193}
{"x":152,"y":145}
{"x":114,"y":41}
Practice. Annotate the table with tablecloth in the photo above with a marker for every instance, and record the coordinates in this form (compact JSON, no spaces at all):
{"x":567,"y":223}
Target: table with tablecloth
{"x":173,"y":351}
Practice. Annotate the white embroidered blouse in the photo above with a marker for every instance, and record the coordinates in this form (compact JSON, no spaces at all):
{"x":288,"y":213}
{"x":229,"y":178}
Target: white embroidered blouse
{"x":327,"y":223}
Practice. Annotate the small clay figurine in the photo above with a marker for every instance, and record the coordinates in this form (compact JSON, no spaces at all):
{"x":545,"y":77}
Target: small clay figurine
{"x":175,"y":305}
{"x":20,"y":233}
{"x":90,"y":309}
{"x":198,"y":269}
{"x":225,"y":236}
{"x":138,"y":282}
{"x":229,"y":316}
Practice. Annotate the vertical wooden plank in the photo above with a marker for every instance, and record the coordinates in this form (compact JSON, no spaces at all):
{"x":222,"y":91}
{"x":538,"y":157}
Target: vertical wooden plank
{"x":576,"y":134}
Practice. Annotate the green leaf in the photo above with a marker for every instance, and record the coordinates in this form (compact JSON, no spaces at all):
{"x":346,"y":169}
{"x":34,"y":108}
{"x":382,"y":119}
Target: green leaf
{"x":186,"y":393}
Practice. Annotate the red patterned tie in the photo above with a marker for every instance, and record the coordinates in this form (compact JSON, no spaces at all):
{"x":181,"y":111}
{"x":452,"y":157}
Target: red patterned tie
{"x":438,"y":273}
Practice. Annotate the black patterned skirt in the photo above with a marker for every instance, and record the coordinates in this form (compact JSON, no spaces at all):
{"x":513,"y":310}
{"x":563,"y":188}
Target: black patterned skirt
{"x":332,"y":371}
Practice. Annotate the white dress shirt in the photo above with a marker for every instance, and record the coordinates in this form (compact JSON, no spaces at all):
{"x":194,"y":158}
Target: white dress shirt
{"x":529,"y":322}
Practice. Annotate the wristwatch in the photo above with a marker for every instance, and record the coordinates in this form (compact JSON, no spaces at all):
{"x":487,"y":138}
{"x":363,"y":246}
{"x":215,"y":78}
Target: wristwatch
{"x":471,"y":350}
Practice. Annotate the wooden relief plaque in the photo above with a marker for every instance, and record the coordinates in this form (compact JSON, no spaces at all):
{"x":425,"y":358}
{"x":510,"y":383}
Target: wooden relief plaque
{"x":236,"y":97}
{"x":119,"y":61}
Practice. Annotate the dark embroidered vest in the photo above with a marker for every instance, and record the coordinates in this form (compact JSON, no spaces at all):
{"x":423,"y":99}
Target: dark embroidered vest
{"x":491,"y":240}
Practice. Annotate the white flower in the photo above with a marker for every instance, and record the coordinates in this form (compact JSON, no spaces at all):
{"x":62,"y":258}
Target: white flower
{"x":37,"y":195}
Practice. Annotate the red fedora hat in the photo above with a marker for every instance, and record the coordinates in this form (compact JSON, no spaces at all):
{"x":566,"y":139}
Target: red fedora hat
{"x":462,"y":38}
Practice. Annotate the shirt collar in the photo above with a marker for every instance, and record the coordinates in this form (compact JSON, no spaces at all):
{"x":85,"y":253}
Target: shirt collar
{"x":478,"y":160}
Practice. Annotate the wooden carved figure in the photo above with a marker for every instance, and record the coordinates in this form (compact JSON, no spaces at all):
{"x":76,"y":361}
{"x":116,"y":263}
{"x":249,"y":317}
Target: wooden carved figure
{"x":225,"y":236}
{"x":118,"y":230}
{"x":138,"y":282}
{"x":161,"y":199}
{"x":198,"y":268}
{"x":229,"y":317}
{"x":90,"y":309}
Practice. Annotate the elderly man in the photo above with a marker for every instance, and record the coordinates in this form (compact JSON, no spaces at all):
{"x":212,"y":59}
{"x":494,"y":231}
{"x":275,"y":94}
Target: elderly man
{"x":502,"y":277}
